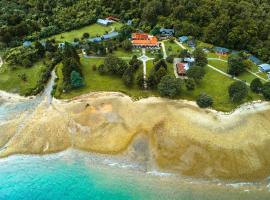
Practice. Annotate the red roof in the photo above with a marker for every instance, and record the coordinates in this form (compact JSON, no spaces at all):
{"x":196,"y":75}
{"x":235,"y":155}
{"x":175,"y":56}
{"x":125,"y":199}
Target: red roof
{"x":113,"y":18}
{"x":144,"y":39}
{"x":181,"y":68}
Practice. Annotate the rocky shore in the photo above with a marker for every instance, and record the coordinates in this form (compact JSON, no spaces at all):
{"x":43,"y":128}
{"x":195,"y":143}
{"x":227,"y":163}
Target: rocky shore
{"x":174,"y":136}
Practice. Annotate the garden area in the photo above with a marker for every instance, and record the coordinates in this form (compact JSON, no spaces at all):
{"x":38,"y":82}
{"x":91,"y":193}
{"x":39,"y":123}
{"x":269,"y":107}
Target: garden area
{"x":93,"y":30}
{"x":19,"y":79}
{"x":94,"y":82}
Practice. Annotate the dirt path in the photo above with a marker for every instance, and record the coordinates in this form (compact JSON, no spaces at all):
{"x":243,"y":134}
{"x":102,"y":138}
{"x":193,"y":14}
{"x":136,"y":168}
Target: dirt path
{"x":164,"y":50}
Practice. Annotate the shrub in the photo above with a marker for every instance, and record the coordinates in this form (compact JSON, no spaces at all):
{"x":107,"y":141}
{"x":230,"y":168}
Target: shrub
{"x":102,"y":69}
{"x":204,"y":101}
{"x":238,"y":91}
{"x":266,"y":91}
{"x":170,"y":59}
{"x":169,"y":86}
{"x":190,"y":84}
{"x":256,"y":85}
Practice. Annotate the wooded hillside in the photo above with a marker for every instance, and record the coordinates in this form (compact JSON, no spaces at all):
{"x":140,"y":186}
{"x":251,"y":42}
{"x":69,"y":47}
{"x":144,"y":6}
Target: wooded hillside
{"x":236,"y":24}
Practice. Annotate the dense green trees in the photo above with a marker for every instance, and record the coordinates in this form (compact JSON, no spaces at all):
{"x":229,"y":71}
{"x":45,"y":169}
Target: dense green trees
{"x":204,"y":101}
{"x":196,"y":73}
{"x":200,"y":57}
{"x":238,"y":91}
{"x":256,"y":85}
{"x":236,"y":64}
{"x":241,"y":25}
{"x":76,"y":80}
{"x":169,"y":86}
{"x":266,"y":91}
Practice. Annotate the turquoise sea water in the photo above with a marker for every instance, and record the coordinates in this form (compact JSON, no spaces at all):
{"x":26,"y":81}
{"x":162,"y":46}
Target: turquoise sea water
{"x":73,"y":176}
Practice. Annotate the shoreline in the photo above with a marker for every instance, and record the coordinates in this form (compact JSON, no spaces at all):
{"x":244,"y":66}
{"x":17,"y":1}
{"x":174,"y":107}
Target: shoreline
{"x":111,"y":122}
{"x":118,"y":163}
{"x":258,"y":105}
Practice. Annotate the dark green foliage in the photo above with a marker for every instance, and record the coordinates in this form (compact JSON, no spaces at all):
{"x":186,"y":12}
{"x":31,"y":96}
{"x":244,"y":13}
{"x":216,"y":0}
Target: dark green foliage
{"x":102,"y":69}
{"x":23,"y":77}
{"x":126,"y":44}
{"x":200,"y":57}
{"x":266,"y":91}
{"x":256,"y":85}
{"x":128,"y":77}
{"x":159,"y":64}
{"x":27,"y":63}
{"x":140,"y":80}
{"x":236,"y":64}
{"x":238,"y":91}
{"x":204,"y":101}
{"x":76,"y":80}
{"x":196,"y":73}
{"x":190,"y":84}
{"x":86,"y":35}
{"x":234,"y":24}
{"x":115,"y":66}
{"x":40,"y":49}
{"x":170,"y":58}
{"x":184,"y":53}
{"x":169,"y":86}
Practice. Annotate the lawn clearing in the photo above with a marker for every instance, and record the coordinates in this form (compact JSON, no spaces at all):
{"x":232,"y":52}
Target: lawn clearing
{"x":94,"y":82}
{"x":94,"y":30}
{"x":216,"y":85}
{"x":175,"y":48}
{"x":128,"y":54}
{"x":11,"y":82}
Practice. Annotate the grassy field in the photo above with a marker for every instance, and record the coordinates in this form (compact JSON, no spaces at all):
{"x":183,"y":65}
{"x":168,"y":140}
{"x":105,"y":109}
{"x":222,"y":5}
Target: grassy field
{"x":216,"y":85}
{"x":10,"y":81}
{"x":122,"y":53}
{"x":93,"y":30}
{"x":95,"y":82}
{"x":175,"y":49}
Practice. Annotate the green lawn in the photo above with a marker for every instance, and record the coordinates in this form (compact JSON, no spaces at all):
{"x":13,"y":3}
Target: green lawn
{"x":223,"y":66}
{"x":95,"y":82}
{"x":175,"y":48}
{"x":122,"y":53}
{"x":216,"y":85}
{"x":10,"y":81}
{"x":93,"y":30}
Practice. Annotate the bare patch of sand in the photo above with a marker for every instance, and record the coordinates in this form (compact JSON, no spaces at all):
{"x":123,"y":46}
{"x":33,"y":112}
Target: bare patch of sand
{"x":175,"y":136}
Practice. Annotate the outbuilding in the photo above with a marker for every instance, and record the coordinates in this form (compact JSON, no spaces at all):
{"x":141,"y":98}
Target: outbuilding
{"x":183,"y":39}
{"x":27,"y":44}
{"x":166,"y":32}
{"x":264,"y":67}
{"x":104,"y":22}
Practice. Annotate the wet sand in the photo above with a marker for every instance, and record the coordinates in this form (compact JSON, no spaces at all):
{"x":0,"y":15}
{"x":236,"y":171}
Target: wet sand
{"x":160,"y":134}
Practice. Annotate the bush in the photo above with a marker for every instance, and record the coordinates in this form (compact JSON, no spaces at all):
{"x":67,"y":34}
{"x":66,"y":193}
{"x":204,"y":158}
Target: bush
{"x":238,"y":91}
{"x":266,"y":91}
{"x":169,"y":86}
{"x":76,"y":80}
{"x":170,"y":59}
{"x":190,"y":84}
{"x":256,"y":85}
{"x":204,"y":101}
{"x":102,"y":69}
{"x":196,"y":72}
{"x":94,"y":68}
{"x":140,"y":80}
{"x":27,"y":63}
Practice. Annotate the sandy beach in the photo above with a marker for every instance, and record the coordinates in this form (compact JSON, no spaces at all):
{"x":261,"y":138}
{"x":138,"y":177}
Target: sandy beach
{"x":158,"y":134}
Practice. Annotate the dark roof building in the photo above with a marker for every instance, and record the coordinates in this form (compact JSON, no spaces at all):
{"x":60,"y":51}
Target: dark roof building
{"x":166,"y":32}
{"x":255,"y":60}
{"x":104,"y":37}
{"x":221,"y":50}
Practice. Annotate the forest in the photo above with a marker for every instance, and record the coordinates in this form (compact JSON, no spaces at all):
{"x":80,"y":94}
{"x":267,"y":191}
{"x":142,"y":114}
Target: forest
{"x":235,"y":24}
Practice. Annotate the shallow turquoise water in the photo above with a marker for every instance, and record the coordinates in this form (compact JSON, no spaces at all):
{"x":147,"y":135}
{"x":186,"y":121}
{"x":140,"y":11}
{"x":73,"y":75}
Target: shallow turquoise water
{"x":73,"y":176}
